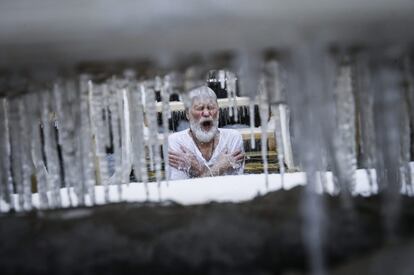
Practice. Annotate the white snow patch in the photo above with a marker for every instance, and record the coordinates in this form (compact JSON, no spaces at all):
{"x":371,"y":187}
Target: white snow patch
{"x":203,"y":190}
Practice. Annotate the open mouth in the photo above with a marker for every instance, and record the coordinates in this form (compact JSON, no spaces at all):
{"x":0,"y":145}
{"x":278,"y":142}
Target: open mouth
{"x":207,"y":124}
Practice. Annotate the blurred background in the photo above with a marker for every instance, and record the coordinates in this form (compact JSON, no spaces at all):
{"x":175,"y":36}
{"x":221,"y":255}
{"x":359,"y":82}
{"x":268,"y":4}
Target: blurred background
{"x":65,"y":32}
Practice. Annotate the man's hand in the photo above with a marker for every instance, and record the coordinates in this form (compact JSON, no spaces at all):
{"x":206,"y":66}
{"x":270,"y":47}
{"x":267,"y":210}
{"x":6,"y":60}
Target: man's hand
{"x":186,"y":161}
{"x":227,"y":161}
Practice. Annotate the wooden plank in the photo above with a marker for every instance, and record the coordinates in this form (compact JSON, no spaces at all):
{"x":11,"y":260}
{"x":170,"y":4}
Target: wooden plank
{"x":176,"y":106}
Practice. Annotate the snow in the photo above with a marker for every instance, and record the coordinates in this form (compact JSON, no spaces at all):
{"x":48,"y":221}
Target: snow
{"x":235,"y":188}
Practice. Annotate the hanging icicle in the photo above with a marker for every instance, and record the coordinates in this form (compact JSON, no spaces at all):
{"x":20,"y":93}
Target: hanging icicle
{"x":51,"y":149}
{"x":26,"y":162}
{"x":365,"y":103}
{"x":407,"y":125}
{"x":115,"y":111}
{"x":60,"y":101}
{"x":125,"y":137}
{"x":87,"y":185}
{"x":16,"y":155}
{"x":137,"y":135}
{"x":276,"y":113}
{"x":68,"y":117}
{"x":166,"y":114}
{"x":99,"y":136}
{"x":141,"y":119}
{"x":5,"y":154}
{"x":277,"y":99}
{"x":264,"y":117}
{"x":252,"y":119}
{"x":153,"y":144}
{"x":346,"y":131}
{"x":231,"y":89}
{"x":36,"y":152}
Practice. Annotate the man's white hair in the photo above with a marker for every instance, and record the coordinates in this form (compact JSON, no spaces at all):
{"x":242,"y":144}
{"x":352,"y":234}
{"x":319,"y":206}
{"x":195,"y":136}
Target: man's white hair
{"x":202,"y":92}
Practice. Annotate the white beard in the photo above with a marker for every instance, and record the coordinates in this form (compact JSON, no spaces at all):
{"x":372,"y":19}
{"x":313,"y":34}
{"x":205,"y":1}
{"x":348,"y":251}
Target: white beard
{"x":201,"y":135}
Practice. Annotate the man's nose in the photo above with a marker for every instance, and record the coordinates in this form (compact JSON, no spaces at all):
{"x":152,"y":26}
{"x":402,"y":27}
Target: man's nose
{"x":206,"y":112}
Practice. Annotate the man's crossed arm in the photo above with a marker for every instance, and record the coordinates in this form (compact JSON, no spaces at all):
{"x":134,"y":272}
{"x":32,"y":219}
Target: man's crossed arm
{"x":186,"y":161}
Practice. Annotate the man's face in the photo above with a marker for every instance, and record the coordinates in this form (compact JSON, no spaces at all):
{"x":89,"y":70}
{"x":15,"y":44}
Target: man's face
{"x":203,"y":116}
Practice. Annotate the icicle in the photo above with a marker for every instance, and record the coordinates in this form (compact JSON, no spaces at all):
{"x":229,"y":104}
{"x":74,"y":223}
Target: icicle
{"x":103,"y":139}
{"x":151,"y":113}
{"x":312,"y":230}
{"x":33,"y":126}
{"x":78,"y":181}
{"x":229,"y":95}
{"x":106,"y":114}
{"x":405,"y":149}
{"x":346,"y":133}
{"x":222,"y":78}
{"x":264,"y":117}
{"x":276,"y":97}
{"x":276,"y":111}
{"x":143,"y":167}
{"x":365,"y":100}
{"x":166,"y":113}
{"x":68,"y":111}
{"x":104,"y":136}
{"x":405,"y":138}
{"x":50,"y":148}
{"x":323,"y":179}
{"x":409,"y":114}
{"x":87,"y":185}
{"x":99,"y":135}
{"x":65,"y":121}
{"x":168,"y":85}
{"x":251,"y":114}
{"x":151,"y":157}
{"x":286,"y":136}
{"x":149,"y":99}
{"x":6,"y":176}
{"x":115,"y":105}
{"x":387,"y":117}
{"x":137,"y":135}
{"x":27,"y":164}
{"x":15,"y":138}
{"x":136,"y":129}
{"x":305,"y":97}
{"x":125,"y":137}
{"x":231,"y":88}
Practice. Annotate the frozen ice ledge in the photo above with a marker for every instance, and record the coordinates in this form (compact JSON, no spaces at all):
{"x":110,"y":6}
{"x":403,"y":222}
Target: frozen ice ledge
{"x":236,"y":188}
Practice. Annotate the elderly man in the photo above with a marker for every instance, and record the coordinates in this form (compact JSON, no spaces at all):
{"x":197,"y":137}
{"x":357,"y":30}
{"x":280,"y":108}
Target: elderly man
{"x":204,"y":149}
